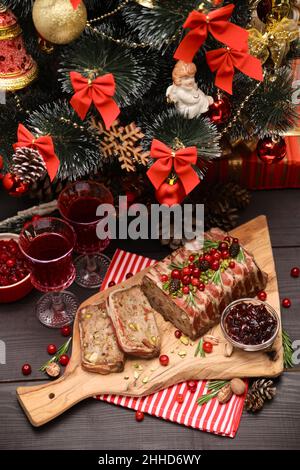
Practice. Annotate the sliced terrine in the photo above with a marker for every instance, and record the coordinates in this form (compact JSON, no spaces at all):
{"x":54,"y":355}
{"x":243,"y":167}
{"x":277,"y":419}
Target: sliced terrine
{"x":192,"y":289}
{"x":134,"y":322}
{"x":100,"y":351}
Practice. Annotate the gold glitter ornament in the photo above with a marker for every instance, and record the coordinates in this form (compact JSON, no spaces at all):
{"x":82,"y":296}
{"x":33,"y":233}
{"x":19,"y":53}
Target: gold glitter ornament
{"x":57,"y":21}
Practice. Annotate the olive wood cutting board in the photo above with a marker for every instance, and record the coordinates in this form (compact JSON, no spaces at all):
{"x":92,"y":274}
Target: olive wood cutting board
{"x":42,"y":403}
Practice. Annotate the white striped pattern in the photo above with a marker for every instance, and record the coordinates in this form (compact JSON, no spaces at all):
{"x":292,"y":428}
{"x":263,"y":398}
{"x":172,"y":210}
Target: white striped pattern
{"x":212,"y":417}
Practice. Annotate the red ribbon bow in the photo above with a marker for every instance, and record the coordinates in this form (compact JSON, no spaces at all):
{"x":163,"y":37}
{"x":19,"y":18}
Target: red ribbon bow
{"x":166,"y":157}
{"x":215,"y":22}
{"x":99,"y":92}
{"x":225,"y":60}
{"x":75,"y":3}
{"x":43,"y":144}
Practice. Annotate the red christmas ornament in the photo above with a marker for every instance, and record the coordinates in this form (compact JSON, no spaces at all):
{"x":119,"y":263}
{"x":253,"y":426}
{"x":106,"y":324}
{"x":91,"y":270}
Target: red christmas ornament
{"x":219,"y":112}
{"x":65,"y":330}
{"x":139,"y":416}
{"x":170,"y":193}
{"x":51,"y":349}
{"x":13,"y":185}
{"x":295,"y":272}
{"x":164,"y":360}
{"x":26,"y":369}
{"x":286,"y":303}
{"x":271,"y":149}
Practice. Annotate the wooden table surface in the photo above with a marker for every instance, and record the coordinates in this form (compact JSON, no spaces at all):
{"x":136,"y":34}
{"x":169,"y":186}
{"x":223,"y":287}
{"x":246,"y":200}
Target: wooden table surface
{"x":96,"y":425}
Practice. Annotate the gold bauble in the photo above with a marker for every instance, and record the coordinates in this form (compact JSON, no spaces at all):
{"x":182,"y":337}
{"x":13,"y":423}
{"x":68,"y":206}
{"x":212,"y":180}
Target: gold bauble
{"x":57,"y":21}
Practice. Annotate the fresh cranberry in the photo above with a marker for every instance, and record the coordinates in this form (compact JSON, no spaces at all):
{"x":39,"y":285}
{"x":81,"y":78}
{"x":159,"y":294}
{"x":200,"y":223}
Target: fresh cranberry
{"x":139,"y":416}
{"x":51,"y":349}
{"x":215,"y":265}
{"x":235,"y":240}
{"x":213,"y":251}
{"x":111,"y":284}
{"x":64,"y":359}
{"x":225,"y":254}
{"x":164,"y":278}
{"x":128,"y":275}
{"x":201,"y":286}
{"x":177,"y":334}
{"x":192,"y":386}
{"x":232,"y":264}
{"x":191,"y":258}
{"x":223,"y":246}
{"x":65,"y":330}
{"x":286,"y":303}
{"x":217,"y":256}
{"x":227,"y":239}
{"x":186,"y":280}
{"x":196,"y":272}
{"x":185,"y":290}
{"x":208,"y":258}
{"x":164,"y":359}
{"x":175,"y":274}
{"x":262,"y":295}
{"x":207,"y":347}
{"x":26,"y":369}
{"x":295,"y":272}
{"x":185,"y":271}
{"x":195,"y":282}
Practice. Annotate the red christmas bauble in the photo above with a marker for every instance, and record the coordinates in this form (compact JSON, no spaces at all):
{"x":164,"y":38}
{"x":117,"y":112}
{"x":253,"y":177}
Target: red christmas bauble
{"x":271,"y":149}
{"x":170,"y":194}
{"x":13,"y":185}
{"x":219,"y":112}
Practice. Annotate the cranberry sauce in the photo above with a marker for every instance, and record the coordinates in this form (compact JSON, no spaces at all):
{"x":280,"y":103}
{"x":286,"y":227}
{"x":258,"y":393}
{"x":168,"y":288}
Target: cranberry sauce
{"x":249,"y":323}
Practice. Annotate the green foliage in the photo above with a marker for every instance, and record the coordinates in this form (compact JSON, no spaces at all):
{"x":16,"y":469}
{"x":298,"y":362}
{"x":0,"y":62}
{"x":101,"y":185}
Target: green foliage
{"x":76,"y":148}
{"x":170,"y":125}
{"x":133,"y":71}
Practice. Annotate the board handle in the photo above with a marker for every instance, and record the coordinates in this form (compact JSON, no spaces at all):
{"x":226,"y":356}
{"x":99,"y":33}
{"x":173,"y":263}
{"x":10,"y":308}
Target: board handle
{"x":43,"y":403}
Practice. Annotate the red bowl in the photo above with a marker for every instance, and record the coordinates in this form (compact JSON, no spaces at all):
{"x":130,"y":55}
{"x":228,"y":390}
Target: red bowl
{"x":18,"y":290}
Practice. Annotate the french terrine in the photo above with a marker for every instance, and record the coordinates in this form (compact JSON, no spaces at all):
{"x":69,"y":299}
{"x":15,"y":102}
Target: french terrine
{"x":134,"y":322}
{"x":100,"y":351}
{"x":192,"y":289}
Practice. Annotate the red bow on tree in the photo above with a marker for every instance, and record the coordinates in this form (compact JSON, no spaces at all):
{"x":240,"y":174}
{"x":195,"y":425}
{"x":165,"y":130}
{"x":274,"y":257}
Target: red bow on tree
{"x":99,"y":92}
{"x":225,"y":60}
{"x":75,"y":3}
{"x":216,"y":23}
{"x":43,"y":144}
{"x":166,"y":158}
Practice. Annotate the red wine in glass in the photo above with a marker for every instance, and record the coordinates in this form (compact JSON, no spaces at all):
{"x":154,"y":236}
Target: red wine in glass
{"x":47,"y":244}
{"x":78,"y":204}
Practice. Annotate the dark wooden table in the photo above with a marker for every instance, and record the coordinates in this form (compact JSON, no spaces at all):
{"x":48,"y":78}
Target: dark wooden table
{"x":95,"y":425}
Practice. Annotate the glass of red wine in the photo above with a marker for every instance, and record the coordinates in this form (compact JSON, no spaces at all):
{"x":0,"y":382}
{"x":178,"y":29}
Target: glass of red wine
{"x":47,"y":244}
{"x":78,"y":204}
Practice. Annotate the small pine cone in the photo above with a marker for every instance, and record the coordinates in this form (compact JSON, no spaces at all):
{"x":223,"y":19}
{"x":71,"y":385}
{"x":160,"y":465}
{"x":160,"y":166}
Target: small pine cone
{"x":174,"y":286}
{"x":254,"y":401}
{"x":237,"y":195}
{"x":218,"y":213}
{"x":264,"y":388}
{"x":28,"y":165}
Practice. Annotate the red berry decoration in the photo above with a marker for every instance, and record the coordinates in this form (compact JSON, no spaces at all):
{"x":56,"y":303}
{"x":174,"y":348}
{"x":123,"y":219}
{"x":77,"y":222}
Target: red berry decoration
{"x":223,"y":246}
{"x":271,"y":149}
{"x":227,"y":239}
{"x":51,"y":349}
{"x":191,"y":258}
{"x":64,"y":359}
{"x":217,"y":256}
{"x":164,"y":278}
{"x":215,"y":265}
{"x":195,"y":282}
{"x":192,"y":385}
{"x":164,"y":359}
{"x":262,"y":295}
{"x":128,"y":275}
{"x":208,"y":258}
{"x":186,"y":280}
{"x":175,"y":274}
{"x":180,"y":398}
{"x":207,"y":347}
{"x":286,"y":303}
{"x":26,"y":369}
{"x":232,"y":264}
{"x":295,"y":272}
{"x":111,"y":284}
{"x":186,"y":271}
{"x":65,"y":330}
{"x":225,"y":254}
{"x":178,"y":334}
{"x":196,"y":272}
{"x":220,"y":110}
{"x":201,"y":286}
{"x":139,"y":416}
{"x":235,"y":240}
{"x":185,"y":290}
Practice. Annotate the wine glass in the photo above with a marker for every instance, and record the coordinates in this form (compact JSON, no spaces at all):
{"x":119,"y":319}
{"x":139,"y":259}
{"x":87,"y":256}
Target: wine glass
{"x":47,"y":244}
{"x":78,"y":203}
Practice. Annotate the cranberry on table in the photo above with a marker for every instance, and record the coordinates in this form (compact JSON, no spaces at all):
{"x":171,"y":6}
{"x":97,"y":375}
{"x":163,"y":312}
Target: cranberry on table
{"x":64,"y":359}
{"x":139,"y":416}
{"x":185,"y":290}
{"x":175,"y":274}
{"x":111,"y":284}
{"x":295,"y":272}
{"x":262,"y":295}
{"x":192,"y":385}
{"x":178,"y":334}
{"x":51,"y":349}
{"x":26,"y":369}
{"x":164,"y":359}
{"x":286,"y":303}
{"x":207,"y":347}
{"x":128,"y":275}
{"x":65,"y":330}
{"x":164,"y":278}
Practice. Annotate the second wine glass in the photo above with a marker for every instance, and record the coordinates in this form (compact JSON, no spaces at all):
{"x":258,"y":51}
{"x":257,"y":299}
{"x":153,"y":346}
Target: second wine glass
{"x":78,"y":204}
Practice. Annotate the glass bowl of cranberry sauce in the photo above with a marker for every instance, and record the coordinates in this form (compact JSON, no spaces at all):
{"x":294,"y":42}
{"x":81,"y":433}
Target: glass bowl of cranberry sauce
{"x":250,"y":324}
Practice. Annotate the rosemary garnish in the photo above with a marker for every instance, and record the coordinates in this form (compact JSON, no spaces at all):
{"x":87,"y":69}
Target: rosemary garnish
{"x":62,"y":350}
{"x":190,"y":300}
{"x":209,"y":244}
{"x":213,"y":388}
{"x":217,"y":277}
{"x":287,"y":350}
{"x":177,"y":265}
{"x":199,"y":349}
{"x":241,"y":256}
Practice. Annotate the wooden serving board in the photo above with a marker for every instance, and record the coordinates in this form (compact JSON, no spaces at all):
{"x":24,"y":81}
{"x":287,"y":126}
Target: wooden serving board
{"x":43,"y":403}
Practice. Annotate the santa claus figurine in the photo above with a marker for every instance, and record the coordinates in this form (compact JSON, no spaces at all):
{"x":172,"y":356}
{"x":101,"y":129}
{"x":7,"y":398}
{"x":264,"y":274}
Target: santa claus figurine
{"x":189,"y":100}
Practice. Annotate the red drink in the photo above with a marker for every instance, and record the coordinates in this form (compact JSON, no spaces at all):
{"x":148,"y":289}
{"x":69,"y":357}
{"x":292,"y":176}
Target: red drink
{"x":83,"y":210}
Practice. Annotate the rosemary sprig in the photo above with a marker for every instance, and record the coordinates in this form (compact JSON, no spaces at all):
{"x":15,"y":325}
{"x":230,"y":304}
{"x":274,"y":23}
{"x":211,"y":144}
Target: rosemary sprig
{"x":177,"y":265}
{"x":287,"y":350}
{"x":199,"y":349}
{"x":190,"y":300}
{"x":213,"y":387}
{"x":217,"y":278}
{"x":62,"y":350}
{"x":241,"y":256}
{"x":209,"y":244}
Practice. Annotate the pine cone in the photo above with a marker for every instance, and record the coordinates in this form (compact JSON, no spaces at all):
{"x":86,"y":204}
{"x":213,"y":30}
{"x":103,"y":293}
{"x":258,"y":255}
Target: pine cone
{"x":254,"y":402}
{"x":44,"y":190}
{"x":237,"y":195}
{"x":28,"y":165}
{"x":264,"y":388}
{"x":219,"y":214}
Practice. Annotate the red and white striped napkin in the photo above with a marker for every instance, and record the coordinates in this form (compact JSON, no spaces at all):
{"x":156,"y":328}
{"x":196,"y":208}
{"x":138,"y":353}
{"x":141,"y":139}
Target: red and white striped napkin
{"x":211,"y":417}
